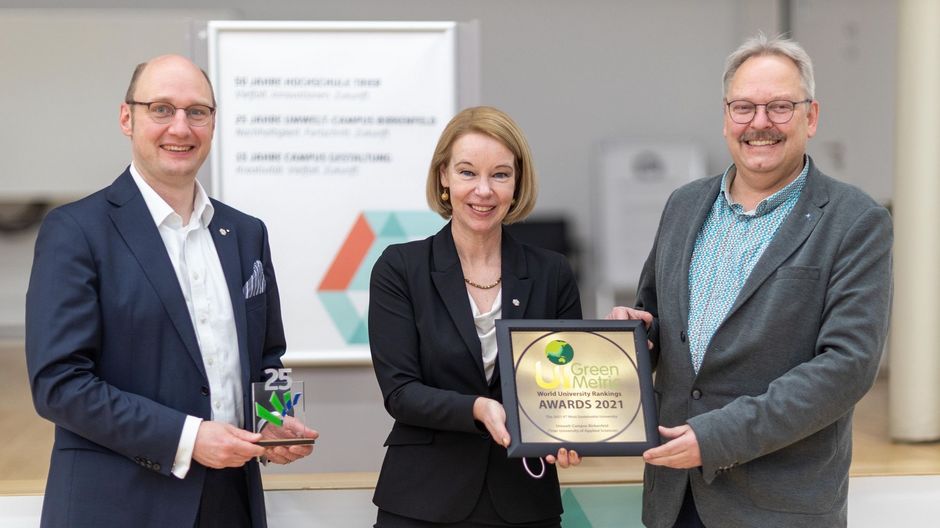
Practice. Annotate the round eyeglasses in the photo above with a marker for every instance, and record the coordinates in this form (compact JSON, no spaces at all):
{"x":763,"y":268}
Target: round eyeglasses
{"x":161,"y":112}
{"x":778,"y":112}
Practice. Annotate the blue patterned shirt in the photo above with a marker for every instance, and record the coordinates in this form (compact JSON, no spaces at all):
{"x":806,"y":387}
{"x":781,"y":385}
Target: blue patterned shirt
{"x":727,"y":247}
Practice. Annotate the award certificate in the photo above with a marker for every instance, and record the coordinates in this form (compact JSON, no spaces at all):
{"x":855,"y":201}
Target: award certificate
{"x":582,"y":385}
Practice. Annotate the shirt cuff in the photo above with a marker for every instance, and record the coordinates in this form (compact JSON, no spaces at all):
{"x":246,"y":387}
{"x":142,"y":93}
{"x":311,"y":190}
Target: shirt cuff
{"x":184,"y":451}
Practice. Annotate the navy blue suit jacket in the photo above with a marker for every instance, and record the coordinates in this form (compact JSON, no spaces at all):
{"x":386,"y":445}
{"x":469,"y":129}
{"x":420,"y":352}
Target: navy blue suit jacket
{"x":114,"y":362}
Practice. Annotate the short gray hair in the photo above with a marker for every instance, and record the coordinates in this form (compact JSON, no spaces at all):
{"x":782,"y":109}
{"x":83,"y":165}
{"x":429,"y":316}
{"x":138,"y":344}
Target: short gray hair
{"x":760,"y":45}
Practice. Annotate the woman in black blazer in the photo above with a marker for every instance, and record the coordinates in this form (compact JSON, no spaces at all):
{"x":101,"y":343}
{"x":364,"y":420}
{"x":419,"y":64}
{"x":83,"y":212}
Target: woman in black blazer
{"x":432,"y":309}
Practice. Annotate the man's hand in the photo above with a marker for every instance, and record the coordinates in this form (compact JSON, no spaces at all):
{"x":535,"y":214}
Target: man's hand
{"x":292,"y":428}
{"x":492,"y":415}
{"x":221,"y":445}
{"x":680,"y":452}
{"x":564,"y":459}
{"x":622,"y":312}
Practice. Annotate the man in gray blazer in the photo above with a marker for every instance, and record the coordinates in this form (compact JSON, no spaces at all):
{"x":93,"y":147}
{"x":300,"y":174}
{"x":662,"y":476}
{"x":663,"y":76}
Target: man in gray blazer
{"x":767,"y":295}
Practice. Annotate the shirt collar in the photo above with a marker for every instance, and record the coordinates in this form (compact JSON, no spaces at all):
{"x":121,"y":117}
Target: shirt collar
{"x":161,"y":211}
{"x":767,"y":204}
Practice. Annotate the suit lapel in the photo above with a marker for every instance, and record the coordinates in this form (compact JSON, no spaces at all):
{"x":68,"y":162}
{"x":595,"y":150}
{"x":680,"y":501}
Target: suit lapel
{"x":792,"y":233}
{"x":447,"y":276}
{"x":226,"y":245}
{"x":516,"y":283}
{"x":133,"y":221}
{"x":688,"y":247}
{"x":516,"y":289}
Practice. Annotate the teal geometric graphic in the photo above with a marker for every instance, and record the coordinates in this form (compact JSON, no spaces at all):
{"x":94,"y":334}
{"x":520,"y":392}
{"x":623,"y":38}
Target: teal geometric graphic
{"x":351,"y":325}
{"x":348,"y":276}
{"x":574,"y":516}
{"x":602,"y":506}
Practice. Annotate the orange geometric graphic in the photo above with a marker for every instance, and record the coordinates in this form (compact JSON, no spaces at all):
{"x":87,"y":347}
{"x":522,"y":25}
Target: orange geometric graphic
{"x":347,"y":261}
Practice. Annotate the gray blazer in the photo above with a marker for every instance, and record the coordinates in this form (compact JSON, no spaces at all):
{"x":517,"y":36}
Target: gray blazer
{"x":772,"y":403}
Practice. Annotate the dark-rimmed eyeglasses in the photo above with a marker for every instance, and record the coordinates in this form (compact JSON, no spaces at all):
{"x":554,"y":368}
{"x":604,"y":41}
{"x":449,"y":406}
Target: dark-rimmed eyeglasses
{"x":778,"y":112}
{"x":162,"y":112}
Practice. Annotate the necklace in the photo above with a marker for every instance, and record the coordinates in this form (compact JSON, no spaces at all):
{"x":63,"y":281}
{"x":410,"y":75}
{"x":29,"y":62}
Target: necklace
{"x":482,"y":286}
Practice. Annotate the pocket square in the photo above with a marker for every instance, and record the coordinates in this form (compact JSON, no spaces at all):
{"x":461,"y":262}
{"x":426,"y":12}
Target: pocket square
{"x":256,"y":284}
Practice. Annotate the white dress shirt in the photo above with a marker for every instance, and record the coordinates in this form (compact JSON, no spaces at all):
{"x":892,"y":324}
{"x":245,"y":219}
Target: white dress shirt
{"x":199,"y":271}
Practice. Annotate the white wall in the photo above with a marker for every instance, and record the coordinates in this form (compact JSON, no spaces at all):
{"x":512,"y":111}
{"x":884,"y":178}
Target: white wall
{"x":16,"y":256}
{"x":853,"y":44}
{"x":64,"y":74}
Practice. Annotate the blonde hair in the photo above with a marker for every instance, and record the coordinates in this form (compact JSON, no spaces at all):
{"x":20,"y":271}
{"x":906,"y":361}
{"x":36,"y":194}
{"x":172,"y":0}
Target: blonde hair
{"x":496,"y":124}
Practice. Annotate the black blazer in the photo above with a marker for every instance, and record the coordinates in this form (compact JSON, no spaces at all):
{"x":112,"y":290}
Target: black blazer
{"x":428,"y":361}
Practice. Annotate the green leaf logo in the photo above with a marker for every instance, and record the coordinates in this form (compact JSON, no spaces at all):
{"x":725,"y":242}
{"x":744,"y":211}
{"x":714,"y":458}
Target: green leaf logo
{"x":275,"y":416}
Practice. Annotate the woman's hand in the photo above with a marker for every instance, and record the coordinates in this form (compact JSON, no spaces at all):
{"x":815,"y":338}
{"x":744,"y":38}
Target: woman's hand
{"x":564,"y":459}
{"x":491,"y":414}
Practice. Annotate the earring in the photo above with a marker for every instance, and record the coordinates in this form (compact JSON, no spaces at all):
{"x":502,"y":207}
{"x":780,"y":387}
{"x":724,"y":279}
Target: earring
{"x":513,"y":202}
{"x":444,"y":195}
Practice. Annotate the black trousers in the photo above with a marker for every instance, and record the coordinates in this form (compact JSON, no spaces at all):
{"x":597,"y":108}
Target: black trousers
{"x":484,"y":515}
{"x":688,"y":515}
{"x":224,"y":502}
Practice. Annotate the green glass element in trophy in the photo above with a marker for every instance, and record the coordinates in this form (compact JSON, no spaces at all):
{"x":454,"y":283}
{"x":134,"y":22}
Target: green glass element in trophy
{"x":278,"y":409}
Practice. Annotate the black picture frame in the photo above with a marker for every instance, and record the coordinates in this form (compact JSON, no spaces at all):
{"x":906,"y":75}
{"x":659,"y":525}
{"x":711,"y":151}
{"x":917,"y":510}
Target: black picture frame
{"x":508,"y":361}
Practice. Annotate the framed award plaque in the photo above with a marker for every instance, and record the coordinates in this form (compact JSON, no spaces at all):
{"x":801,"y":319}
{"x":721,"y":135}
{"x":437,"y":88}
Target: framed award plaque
{"x":582,"y":385}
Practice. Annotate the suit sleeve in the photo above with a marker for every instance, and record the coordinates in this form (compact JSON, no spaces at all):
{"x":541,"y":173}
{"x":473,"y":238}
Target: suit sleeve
{"x":63,"y":342}
{"x":395,"y":343}
{"x":816,"y":393}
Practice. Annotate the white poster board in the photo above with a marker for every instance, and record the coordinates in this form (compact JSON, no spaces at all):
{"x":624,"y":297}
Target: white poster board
{"x":325,"y":131}
{"x":634,"y":181}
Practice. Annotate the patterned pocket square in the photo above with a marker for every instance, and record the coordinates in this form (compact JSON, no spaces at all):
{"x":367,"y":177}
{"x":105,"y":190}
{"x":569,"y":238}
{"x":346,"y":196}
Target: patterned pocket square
{"x":256,"y":284}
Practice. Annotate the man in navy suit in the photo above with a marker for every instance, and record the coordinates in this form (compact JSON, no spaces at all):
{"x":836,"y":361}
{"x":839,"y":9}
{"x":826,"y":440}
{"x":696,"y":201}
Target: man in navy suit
{"x":151,"y":309}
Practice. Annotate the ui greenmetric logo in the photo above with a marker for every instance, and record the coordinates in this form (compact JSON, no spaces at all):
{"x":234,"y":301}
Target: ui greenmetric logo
{"x":275,"y":415}
{"x":345,"y":286}
{"x":559,"y":352}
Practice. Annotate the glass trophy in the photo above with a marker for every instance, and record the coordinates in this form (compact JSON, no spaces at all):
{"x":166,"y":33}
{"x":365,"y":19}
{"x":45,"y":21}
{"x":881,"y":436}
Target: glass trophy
{"x":278,"y":409}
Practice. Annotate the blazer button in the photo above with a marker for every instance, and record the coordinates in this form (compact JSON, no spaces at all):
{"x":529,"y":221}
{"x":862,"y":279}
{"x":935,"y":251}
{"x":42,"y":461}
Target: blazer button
{"x":204,"y":390}
{"x":156,"y":467}
{"x":682,"y":336}
{"x":696,"y":394}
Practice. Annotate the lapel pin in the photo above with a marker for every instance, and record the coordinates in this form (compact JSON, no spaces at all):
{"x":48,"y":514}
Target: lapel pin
{"x":515,"y":302}
{"x":223,"y":231}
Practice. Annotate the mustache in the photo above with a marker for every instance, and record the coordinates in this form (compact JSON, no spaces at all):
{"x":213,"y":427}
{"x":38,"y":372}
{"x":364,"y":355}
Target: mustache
{"x":763,"y":135}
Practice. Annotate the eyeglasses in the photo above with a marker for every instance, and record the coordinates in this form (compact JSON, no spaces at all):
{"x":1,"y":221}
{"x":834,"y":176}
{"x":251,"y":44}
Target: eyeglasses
{"x":160,"y":112}
{"x":778,"y":112}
